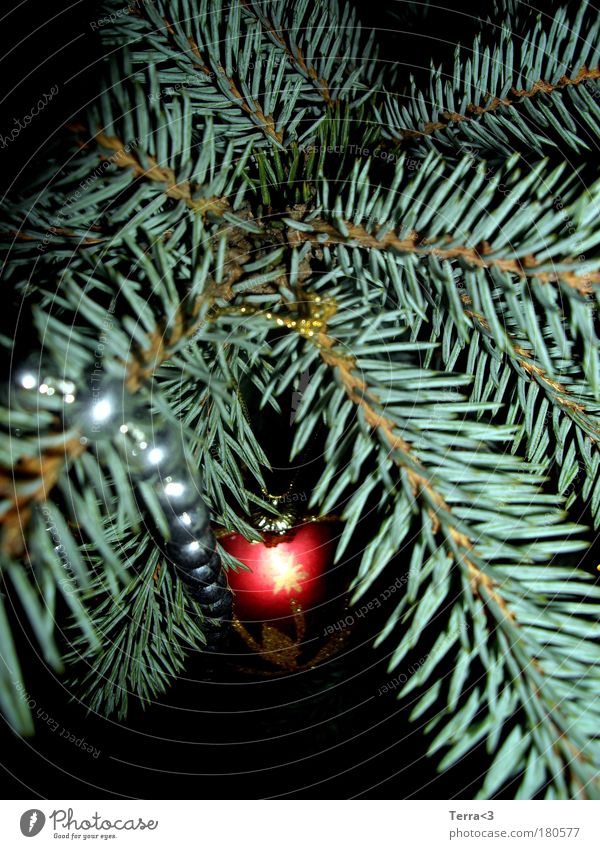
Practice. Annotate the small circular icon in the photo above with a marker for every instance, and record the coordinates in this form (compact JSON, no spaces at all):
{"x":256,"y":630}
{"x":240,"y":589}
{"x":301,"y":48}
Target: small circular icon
{"x":32,"y":822}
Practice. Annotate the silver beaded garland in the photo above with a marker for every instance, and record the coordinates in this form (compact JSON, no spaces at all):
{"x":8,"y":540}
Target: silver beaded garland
{"x":156,"y":456}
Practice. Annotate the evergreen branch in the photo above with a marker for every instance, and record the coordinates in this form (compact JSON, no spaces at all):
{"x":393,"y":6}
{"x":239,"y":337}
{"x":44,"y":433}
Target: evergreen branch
{"x":211,"y":68}
{"x":583,"y":75}
{"x":540,"y":698}
{"x":187,"y":322}
{"x":13,"y":695}
{"x":222,"y":434}
{"x":583,"y":451}
{"x":147,"y":631}
{"x":558,"y":392}
{"x":258,"y":97}
{"x":77,"y":209}
{"x":481,"y":256}
{"x":273,"y":83}
{"x":281,"y":37}
{"x":418,"y":478}
{"x":179,"y":190}
{"x":560,"y":422}
{"x":502,"y":247}
{"x":537,"y":88}
{"x":331,"y":56}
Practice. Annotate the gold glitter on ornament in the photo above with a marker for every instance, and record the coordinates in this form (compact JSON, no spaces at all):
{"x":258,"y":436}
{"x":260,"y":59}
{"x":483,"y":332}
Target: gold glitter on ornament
{"x":283,"y":652}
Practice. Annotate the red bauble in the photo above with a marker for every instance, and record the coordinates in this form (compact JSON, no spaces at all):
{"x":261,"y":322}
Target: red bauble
{"x":287,"y":567}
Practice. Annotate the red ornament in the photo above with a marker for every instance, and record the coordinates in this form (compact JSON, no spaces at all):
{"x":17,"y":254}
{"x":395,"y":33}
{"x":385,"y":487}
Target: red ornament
{"x":284,"y":568}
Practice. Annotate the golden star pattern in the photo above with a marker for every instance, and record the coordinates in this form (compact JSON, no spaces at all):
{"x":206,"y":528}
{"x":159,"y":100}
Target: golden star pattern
{"x":287,"y":574}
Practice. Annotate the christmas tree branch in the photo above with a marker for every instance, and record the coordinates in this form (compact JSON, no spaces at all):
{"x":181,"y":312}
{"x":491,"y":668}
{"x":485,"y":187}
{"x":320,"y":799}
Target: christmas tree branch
{"x":583,"y":75}
{"x":29,"y":481}
{"x":281,"y":37}
{"x":558,"y":392}
{"x":540,"y":698}
{"x":214,"y":70}
{"x":332,"y":57}
{"x":502,"y":247}
{"x":417,"y":476}
{"x":147,"y":630}
{"x":481,"y":256}
{"x":535,"y":89}
{"x":541,"y":402}
{"x":182,"y":190}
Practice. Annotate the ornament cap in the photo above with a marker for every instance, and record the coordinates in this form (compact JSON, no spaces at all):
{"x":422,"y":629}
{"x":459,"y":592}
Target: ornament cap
{"x":280,"y":523}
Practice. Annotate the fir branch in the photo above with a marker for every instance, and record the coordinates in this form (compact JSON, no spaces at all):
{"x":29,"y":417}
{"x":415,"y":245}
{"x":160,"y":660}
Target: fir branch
{"x":584,"y":74}
{"x":529,"y":92}
{"x":560,"y":421}
{"x":179,"y":190}
{"x":346,"y":232}
{"x":332,"y":56}
{"x":281,"y":37}
{"x":462,"y":545}
{"x":558,"y":392}
{"x":420,"y":481}
{"x":503,"y":247}
{"x":147,"y":630}
{"x":201,"y":47}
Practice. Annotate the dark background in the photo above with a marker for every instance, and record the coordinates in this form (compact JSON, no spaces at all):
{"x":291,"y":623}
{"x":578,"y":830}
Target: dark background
{"x":218,"y":732}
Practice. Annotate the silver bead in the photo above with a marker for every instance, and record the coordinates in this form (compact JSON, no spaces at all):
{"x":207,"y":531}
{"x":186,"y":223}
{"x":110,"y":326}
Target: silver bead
{"x":102,"y":412}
